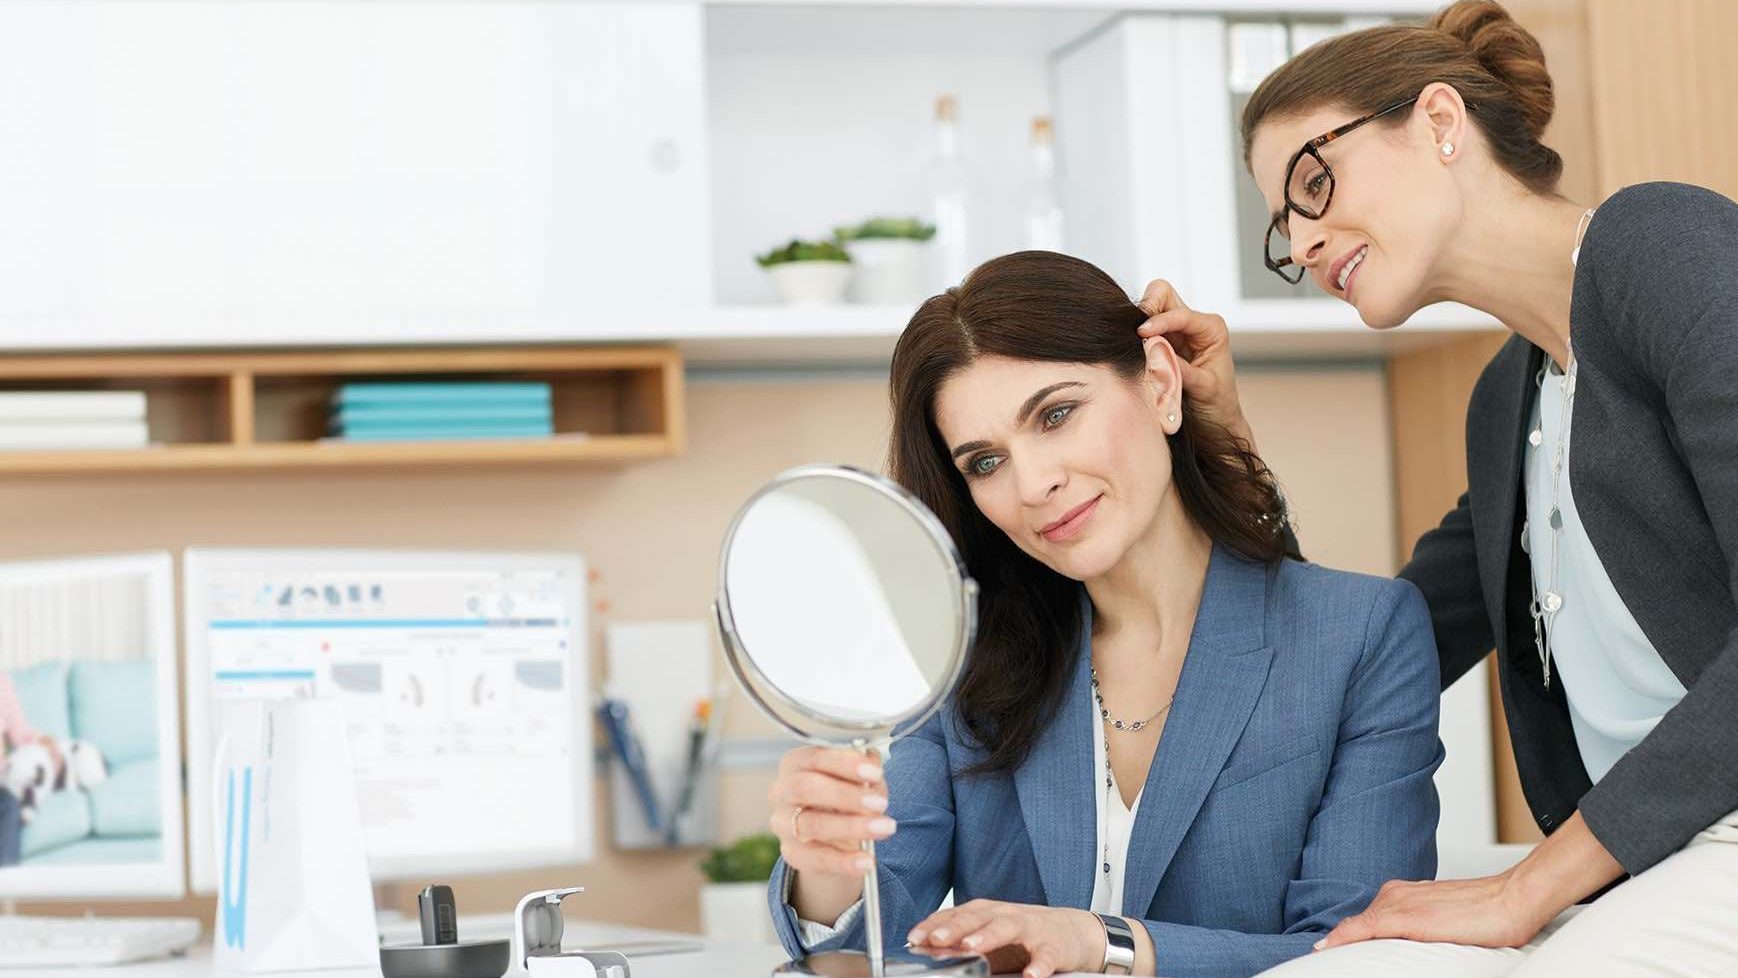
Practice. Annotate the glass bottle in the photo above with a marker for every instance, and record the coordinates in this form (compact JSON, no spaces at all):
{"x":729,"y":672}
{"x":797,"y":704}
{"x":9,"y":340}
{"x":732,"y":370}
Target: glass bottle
{"x":1045,"y":228}
{"x":949,"y":182}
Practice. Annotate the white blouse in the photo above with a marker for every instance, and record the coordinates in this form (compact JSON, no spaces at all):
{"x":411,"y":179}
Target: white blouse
{"x":1116,"y":823}
{"x":1617,"y":685}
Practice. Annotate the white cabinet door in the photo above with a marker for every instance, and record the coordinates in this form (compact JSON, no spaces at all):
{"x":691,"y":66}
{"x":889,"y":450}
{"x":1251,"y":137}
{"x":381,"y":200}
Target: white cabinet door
{"x":187,"y":173}
{"x":629,"y":102}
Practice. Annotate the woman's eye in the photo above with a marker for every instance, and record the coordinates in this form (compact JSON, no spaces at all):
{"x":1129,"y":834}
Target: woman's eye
{"x":1057,"y":415}
{"x":983,"y":465}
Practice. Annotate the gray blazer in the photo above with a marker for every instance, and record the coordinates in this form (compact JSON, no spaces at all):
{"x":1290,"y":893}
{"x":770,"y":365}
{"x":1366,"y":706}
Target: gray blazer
{"x":1654,"y":324}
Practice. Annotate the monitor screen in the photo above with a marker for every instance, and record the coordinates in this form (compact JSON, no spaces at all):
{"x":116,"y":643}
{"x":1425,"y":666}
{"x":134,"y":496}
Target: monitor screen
{"x":90,"y":758}
{"x":464,"y":681}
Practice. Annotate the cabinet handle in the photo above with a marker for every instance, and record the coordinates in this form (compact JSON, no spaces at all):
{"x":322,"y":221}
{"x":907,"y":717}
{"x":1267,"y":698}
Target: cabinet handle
{"x":665,"y":155}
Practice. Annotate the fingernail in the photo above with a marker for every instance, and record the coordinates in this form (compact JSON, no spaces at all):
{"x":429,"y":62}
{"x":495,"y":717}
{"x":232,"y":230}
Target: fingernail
{"x":882,"y":826}
{"x":863,"y":864}
{"x":869,"y":772}
{"x":875,"y":803}
{"x":1320,"y":943}
{"x":972,"y":941}
{"x":915,"y":937}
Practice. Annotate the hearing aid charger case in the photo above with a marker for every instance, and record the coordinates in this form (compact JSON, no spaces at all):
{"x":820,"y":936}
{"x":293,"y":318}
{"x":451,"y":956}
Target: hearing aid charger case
{"x":537,"y":929}
{"x":441,"y":954}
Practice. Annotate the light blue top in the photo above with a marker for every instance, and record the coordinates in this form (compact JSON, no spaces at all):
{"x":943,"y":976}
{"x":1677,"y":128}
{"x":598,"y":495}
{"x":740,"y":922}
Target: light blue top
{"x":1293,"y":780}
{"x":1617,"y":685}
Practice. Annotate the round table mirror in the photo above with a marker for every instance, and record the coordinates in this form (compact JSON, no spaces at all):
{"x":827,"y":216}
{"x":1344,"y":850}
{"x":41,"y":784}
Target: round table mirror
{"x":846,"y":615}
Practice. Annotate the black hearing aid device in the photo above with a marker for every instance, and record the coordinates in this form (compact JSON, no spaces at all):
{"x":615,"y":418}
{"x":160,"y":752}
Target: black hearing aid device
{"x":440,"y":917}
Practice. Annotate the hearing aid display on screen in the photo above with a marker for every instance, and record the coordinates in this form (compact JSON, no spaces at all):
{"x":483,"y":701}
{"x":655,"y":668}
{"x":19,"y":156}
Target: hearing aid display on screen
{"x":90,"y":774}
{"x":464,"y":683}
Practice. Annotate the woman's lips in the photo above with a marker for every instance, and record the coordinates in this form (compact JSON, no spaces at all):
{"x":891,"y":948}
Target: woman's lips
{"x":1354,"y":277}
{"x":1071,"y":524}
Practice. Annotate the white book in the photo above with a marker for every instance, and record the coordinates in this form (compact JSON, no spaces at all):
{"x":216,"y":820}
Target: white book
{"x":95,"y":434}
{"x":104,"y":405}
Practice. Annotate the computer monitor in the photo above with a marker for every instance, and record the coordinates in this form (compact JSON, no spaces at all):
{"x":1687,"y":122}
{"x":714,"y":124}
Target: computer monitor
{"x":464,"y":678}
{"x":90,"y":753}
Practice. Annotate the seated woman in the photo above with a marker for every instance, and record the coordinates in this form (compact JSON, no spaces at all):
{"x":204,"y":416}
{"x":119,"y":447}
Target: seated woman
{"x":1163,"y":721}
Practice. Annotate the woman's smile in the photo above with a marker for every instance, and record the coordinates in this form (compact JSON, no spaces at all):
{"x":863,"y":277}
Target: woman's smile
{"x":1072,"y":523}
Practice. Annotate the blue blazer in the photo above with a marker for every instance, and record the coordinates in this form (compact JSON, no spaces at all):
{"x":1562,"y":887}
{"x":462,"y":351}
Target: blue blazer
{"x":1292,"y":780}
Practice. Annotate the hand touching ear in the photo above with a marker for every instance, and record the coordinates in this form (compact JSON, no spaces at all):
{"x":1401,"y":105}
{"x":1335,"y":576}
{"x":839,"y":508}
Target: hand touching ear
{"x":1203,"y":347}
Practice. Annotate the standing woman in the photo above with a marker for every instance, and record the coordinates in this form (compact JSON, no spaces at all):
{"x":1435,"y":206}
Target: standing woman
{"x":1597,"y":545}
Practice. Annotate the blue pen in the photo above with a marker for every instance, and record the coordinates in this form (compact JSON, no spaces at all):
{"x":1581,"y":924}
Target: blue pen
{"x":614,"y":714}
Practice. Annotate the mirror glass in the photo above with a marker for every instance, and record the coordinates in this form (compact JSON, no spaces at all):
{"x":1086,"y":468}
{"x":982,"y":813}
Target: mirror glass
{"x":843,"y":600}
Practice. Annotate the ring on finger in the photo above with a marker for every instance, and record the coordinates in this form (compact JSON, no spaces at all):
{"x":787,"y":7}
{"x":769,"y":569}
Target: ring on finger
{"x":797,"y":833}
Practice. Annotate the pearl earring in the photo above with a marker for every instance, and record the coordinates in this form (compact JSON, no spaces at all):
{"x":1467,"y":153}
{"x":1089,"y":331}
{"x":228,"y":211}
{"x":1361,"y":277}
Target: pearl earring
{"x":1172,"y":418}
{"x":1447,"y":150}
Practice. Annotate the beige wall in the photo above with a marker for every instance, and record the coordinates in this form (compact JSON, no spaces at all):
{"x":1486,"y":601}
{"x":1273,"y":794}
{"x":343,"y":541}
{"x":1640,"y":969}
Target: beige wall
{"x":652,"y":530}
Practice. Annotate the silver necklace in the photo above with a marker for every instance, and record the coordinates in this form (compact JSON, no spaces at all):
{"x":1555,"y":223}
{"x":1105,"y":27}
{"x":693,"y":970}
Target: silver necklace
{"x":1110,"y":778}
{"x":1132,"y":725}
{"x":1543,"y":608}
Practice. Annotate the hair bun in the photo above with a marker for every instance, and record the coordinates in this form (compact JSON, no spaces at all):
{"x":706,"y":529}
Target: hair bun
{"x":1507,"y":51}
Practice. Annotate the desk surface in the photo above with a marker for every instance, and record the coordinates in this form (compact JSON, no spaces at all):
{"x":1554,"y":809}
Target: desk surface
{"x":713,"y":960}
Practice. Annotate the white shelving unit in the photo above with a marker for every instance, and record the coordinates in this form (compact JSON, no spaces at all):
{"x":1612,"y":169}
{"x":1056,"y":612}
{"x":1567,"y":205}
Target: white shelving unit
{"x":524,"y":171}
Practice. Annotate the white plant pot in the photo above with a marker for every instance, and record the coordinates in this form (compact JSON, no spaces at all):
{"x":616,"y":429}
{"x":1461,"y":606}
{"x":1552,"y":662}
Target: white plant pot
{"x":890,"y":271}
{"x":811,"y":283}
{"x":736,"y":912}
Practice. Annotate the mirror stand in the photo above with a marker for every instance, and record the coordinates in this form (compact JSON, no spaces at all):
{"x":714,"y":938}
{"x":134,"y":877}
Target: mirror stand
{"x":872,"y":896}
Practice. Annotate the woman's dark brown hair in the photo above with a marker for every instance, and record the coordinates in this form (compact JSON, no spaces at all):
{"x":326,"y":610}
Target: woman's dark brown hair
{"x":1038,"y":305}
{"x":1473,"y":45}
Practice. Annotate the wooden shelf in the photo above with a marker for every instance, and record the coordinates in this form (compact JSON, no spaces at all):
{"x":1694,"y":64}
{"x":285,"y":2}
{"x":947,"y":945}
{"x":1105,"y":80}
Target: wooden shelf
{"x":240,"y":411}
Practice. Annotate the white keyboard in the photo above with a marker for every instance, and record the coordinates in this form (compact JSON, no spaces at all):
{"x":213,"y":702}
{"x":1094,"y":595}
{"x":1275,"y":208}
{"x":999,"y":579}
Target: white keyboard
{"x":31,"y":942}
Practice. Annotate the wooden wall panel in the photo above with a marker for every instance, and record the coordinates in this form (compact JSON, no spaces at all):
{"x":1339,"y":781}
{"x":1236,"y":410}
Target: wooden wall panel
{"x":1662,"y":85}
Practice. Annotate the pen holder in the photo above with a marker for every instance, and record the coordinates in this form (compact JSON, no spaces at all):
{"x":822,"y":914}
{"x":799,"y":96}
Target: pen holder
{"x":697,"y":826}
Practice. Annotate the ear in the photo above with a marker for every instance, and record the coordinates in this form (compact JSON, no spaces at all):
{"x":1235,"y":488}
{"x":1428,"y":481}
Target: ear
{"x":1164,"y":382}
{"x":1445,"y":113}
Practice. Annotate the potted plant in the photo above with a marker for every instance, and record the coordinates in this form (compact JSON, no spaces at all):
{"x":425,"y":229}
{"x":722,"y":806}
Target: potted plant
{"x":733,"y":903}
{"x":891,"y":256}
{"x":808,"y":272}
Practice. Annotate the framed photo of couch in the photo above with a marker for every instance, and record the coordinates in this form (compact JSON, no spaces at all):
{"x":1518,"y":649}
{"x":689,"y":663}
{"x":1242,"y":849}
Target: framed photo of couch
{"x":90,"y":758}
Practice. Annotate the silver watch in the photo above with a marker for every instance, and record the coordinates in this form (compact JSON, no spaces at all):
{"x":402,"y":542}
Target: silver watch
{"x":1119,"y":945}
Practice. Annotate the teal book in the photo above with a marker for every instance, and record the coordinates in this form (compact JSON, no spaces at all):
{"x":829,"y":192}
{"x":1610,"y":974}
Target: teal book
{"x":434,"y":393}
{"x":438,"y":415}
{"x":433,"y":433}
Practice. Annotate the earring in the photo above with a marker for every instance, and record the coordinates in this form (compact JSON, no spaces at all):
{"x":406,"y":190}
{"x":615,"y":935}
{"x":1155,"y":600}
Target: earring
{"x":1171,"y":418}
{"x":1447,"y":150}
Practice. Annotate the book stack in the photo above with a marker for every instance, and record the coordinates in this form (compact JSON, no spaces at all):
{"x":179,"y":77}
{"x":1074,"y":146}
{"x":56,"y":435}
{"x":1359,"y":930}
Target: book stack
{"x":440,"y":411}
{"x":64,"y":420}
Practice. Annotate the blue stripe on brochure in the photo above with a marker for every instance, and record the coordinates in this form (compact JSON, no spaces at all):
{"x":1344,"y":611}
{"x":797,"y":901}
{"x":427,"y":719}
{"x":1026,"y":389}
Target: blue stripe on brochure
{"x":352,"y":623}
{"x":236,"y":675}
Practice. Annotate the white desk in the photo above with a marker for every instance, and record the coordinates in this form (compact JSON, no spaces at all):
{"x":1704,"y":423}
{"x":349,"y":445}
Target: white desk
{"x":714,"y":960}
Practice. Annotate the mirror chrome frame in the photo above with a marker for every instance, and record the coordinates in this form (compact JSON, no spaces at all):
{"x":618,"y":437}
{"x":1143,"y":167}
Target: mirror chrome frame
{"x":760,"y":689}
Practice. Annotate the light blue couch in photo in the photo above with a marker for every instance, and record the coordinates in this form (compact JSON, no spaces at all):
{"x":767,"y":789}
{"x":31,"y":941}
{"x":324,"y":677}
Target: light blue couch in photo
{"x":113,"y":705}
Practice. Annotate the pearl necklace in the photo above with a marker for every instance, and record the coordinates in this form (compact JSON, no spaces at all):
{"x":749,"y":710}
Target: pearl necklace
{"x":1544,"y":607}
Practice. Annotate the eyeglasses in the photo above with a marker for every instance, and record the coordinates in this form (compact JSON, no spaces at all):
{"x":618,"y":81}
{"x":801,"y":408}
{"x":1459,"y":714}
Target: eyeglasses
{"x":1309,"y":189}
